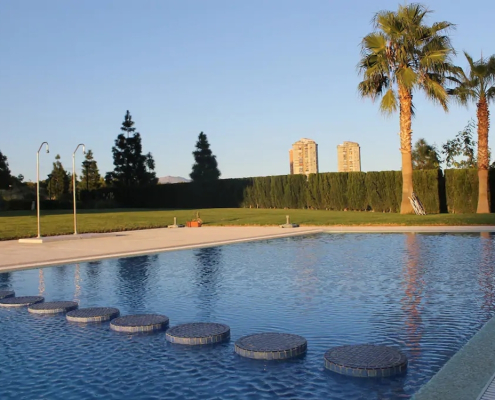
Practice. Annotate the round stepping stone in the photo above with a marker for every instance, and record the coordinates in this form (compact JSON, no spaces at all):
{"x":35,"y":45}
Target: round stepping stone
{"x":140,"y":323}
{"x":4,"y":294}
{"x":271,"y":346}
{"x":366,"y":360}
{"x":198,"y":333}
{"x":95,"y":314}
{"x":21,"y":301}
{"x":53,"y":307}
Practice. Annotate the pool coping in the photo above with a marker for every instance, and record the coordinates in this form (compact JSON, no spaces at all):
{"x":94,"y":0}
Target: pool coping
{"x":468,"y":373}
{"x":56,"y":250}
{"x":47,"y":262}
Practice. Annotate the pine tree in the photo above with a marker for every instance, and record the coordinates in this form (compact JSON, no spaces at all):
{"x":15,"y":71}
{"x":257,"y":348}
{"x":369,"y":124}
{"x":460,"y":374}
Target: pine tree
{"x":5,"y":177}
{"x":132,"y":168}
{"x":90,"y":175}
{"x":59,"y":180}
{"x":205,"y":168}
{"x":425,"y":156}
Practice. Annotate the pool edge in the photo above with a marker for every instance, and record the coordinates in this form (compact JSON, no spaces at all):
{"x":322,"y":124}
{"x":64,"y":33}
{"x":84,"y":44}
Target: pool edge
{"x":148,"y":251}
{"x":466,"y":375}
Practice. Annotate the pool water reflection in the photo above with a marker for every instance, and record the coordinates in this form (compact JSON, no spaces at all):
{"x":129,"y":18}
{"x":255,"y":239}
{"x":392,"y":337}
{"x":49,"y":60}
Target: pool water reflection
{"x":426,"y":294}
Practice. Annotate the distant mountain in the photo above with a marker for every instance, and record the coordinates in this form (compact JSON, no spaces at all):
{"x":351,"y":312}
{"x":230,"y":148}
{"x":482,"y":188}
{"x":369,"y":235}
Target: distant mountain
{"x":172,"y":179}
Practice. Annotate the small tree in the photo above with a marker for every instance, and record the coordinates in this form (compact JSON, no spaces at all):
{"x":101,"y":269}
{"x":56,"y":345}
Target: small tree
{"x":460,"y":152}
{"x":205,"y":168}
{"x":90,"y":175}
{"x":132,"y":168}
{"x":5,"y":177}
{"x":59,"y":180}
{"x":425,"y":156}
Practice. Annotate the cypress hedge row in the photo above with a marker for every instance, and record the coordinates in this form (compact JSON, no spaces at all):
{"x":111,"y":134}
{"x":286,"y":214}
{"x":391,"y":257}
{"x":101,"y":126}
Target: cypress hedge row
{"x":455,"y":191}
{"x":377,"y":191}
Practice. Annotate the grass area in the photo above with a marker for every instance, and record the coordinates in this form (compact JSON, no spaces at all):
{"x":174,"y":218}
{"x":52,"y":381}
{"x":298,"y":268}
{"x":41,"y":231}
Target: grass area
{"x":21,"y":224}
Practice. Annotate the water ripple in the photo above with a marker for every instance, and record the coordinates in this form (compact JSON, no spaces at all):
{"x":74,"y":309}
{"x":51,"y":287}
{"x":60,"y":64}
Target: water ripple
{"x":426,"y":294}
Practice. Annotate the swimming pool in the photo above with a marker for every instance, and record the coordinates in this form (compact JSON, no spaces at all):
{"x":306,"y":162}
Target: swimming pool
{"x":426,"y":294}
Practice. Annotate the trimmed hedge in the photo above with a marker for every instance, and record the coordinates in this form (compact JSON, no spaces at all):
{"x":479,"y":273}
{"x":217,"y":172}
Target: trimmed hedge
{"x":461,"y":187}
{"x":377,"y":191}
{"x":457,"y":192}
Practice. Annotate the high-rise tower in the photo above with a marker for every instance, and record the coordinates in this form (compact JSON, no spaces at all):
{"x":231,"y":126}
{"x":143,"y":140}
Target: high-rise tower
{"x":303,"y":157}
{"x":349,"y":157}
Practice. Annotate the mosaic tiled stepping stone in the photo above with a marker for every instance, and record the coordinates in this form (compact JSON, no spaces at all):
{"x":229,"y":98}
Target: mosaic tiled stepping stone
{"x":21,"y":301}
{"x":271,"y":346}
{"x":4,"y":294}
{"x":95,"y":314}
{"x":53,"y":307}
{"x":366,"y":360}
{"x":198,"y":333}
{"x":140,"y":323}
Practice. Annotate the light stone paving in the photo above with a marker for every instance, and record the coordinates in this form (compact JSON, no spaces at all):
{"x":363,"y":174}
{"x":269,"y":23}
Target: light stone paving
{"x":15,"y":255}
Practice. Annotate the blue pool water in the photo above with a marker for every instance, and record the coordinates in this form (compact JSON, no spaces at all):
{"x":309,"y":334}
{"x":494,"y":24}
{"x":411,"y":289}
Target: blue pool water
{"x":426,"y":294}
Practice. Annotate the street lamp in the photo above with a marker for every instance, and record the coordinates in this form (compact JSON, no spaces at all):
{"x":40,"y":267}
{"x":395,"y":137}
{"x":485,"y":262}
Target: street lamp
{"x":38,"y":184}
{"x":74,"y":182}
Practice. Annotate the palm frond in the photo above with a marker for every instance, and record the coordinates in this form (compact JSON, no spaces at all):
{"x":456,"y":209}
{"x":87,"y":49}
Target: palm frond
{"x":490,"y":94}
{"x":388,"y":23}
{"x":435,"y":59}
{"x":442,"y":26}
{"x":461,"y":94}
{"x":389,"y":104}
{"x":373,"y":87}
{"x":407,"y":77}
{"x":491,"y":64}
{"x":469,"y":59}
{"x":436,"y":92}
{"x":374,"y":42}
{"x":459,"y":75}
{"x":413,"y":13}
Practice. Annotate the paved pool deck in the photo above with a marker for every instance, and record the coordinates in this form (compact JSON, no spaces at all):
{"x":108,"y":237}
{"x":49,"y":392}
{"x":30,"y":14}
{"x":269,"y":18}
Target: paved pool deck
{"x":65,"y":249}
{"x":466,"y":376}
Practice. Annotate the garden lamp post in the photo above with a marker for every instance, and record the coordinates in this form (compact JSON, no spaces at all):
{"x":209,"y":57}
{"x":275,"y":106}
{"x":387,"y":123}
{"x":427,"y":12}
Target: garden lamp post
{"x":74,"y":182}
{"x":38,"y":184}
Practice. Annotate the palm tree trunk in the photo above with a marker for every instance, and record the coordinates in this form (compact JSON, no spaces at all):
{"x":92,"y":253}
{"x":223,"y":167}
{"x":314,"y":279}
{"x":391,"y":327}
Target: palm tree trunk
{"x":483,"y":126}
{"x":405,"y":100}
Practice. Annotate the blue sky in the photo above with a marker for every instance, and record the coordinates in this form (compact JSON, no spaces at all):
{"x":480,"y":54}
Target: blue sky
{"x":254,"y":75}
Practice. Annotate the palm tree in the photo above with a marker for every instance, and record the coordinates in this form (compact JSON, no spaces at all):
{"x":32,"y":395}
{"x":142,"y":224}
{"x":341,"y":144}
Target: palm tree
{"x":401,"y":55}
{"x":478,"y":86}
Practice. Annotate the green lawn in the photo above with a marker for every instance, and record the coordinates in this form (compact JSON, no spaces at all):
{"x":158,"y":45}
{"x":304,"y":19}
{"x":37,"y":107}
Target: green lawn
{"x":14,"y":225}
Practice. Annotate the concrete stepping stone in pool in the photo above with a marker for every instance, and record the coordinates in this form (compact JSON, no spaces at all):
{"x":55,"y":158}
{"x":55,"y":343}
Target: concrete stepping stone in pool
{"x":198,"y":333}
{"x":271,"y":346}
{"x":95,"y":314}
{"x":366,"y":360}
{"x":4,"y":294}
{"x":21,"y":301}
{"x":53,"y":307}
{"x":140,"y":323}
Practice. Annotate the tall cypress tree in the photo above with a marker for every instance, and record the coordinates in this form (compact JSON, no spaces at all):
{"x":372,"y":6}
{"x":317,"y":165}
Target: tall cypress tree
{"x":59,"y":180}
{"x":90,"y":175}
{"x":205,"y":168}
{"x":5,"y":177}
{"x":132,"y":168}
